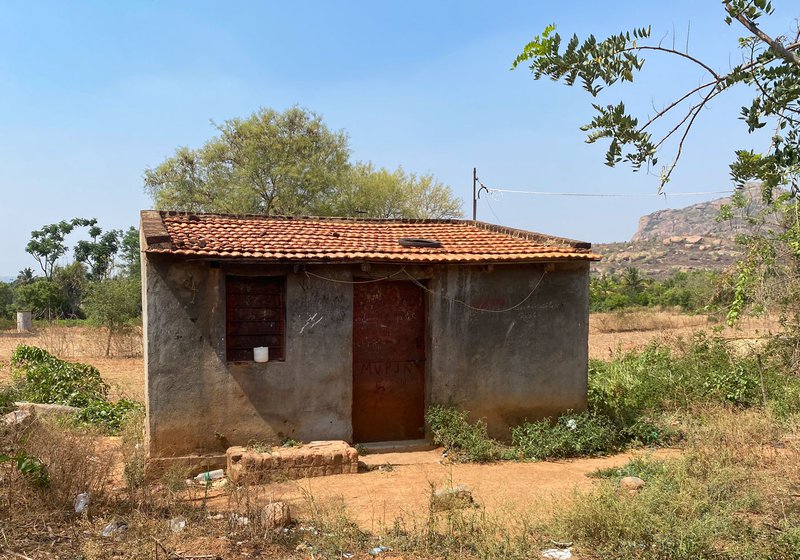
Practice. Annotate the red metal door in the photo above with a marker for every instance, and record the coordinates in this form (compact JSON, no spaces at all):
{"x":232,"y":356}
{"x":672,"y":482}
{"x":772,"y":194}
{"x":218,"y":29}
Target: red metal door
{"x":388,"y":361}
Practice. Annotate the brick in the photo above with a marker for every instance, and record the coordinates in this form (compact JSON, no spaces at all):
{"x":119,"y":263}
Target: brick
{"x":319,"y":458}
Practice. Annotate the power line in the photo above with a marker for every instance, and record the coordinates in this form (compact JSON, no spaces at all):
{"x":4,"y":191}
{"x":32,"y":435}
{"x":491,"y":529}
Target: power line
{"x":615,"y":195}
{"x":665,"y":194}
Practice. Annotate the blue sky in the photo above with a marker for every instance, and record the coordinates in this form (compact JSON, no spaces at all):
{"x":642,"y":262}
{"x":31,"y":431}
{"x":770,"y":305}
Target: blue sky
{"x":92,"y":93}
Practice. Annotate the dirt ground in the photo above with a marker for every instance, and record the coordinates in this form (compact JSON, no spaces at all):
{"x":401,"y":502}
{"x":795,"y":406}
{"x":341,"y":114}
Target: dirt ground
{"x":399,"y":486}
{"x":123,"y":370}
{"x":614,"y":332}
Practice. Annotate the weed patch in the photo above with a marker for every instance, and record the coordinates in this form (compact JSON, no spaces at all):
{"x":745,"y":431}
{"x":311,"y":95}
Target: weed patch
{"x":643,"y":467}
{"x":465,"y":441}
{"x":108,"y":415}
{"x":43,"y":378}
{"x":8,"y":395}
{"x":571,"y":435}
{"x":721,"y":499}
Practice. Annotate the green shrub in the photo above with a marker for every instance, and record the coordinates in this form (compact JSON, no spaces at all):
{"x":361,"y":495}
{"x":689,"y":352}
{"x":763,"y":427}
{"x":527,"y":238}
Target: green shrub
{"x":693,"y":291}
{"x":643,"y":467}
{"x":647,"y":432}
{"x":29,"y":466}
{"x":662,"y":378}
{"x":8,"y":395}
{"x":108,"y":416}
{"x":47,"y":379}
{"x":43,"y":378}
{"x":720,"y":499}
{"x":571,"y":435}
{"x":465,"y":441}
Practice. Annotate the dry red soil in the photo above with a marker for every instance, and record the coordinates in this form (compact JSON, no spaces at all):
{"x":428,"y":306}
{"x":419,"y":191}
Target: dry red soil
{"x":399,"y":484}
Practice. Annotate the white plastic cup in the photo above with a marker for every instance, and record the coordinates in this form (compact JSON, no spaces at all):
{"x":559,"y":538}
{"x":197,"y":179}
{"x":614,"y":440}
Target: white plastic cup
{"x":261,"y":353}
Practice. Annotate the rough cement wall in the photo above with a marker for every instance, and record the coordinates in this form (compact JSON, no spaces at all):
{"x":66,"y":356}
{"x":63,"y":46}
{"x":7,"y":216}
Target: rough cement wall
{"x":198,"y":403}
{"x":526,"y":363}
{"x":506,"y":367}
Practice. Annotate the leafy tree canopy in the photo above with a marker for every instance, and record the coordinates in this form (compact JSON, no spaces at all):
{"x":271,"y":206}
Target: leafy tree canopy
{"x":269,"y":163}
{"x":380,"y":193}
{"x":130,"y":252}
{"x":113,"y":303}
{"x":289,"y":163}
{"x":98,"y":253}
{"x":770,"y":68}
{"x":47,"y":244}
{"x":62,"y":291}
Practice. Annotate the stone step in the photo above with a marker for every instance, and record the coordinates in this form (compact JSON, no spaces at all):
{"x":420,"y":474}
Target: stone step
{"x":398,"y":446}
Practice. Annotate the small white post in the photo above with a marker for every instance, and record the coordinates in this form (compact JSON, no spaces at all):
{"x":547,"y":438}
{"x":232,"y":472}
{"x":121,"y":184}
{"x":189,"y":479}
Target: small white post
{"x":24,"y":322}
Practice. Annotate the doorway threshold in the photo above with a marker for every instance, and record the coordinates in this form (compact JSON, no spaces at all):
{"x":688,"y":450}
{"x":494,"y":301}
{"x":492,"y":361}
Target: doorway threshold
{"x":398,"y":446}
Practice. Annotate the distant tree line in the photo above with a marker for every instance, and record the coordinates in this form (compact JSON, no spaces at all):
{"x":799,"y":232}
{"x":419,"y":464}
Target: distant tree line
{"x":693,"y":292}
{"x":101,"y":282}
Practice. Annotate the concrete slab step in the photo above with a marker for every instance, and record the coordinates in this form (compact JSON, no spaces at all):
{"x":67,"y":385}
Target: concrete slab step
{"x":399,"y":446}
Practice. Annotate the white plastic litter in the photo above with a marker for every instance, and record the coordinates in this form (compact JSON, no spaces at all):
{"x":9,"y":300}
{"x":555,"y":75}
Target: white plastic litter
{"x":114,"y":529}
{"x":379,"y":550}
{"x":557,"y":553}
{"x":208,"y":476}
{"x":81,"y":502}
{"x":177,"y":524}
{"x":572,"y":424}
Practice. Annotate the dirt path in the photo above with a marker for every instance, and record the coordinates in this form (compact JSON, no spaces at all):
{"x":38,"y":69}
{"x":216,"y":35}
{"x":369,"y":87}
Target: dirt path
{"x":375,"y":499}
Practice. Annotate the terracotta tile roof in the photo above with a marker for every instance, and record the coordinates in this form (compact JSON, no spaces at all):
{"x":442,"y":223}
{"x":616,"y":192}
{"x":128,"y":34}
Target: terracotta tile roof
{"x":349,"y":239}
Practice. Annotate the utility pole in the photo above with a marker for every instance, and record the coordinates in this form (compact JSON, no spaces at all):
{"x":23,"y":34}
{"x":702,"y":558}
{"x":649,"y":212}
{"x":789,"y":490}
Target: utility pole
{"x":474,"y":194}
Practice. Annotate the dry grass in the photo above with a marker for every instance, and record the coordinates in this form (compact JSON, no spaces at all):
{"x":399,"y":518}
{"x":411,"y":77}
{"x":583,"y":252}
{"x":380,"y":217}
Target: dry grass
{"x":76,"y":342}
{"x":628,"y":330}
{"x":123,"y":370}
{"x":645,"y":321}
{"x":733,"y":494}
{"x":744,"y":458}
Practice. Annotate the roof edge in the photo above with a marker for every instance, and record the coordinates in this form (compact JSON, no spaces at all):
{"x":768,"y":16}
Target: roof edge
{"x":156,"y":233}
{"x":547,"y":240}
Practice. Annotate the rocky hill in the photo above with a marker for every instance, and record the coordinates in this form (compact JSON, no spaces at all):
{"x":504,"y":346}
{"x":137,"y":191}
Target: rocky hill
{"x":685,"y":239}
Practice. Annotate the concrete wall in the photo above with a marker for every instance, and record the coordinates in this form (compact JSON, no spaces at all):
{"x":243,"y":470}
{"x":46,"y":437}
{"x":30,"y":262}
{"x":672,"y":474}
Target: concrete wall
{"x":525,"y":363}
{"x":197,"y":403}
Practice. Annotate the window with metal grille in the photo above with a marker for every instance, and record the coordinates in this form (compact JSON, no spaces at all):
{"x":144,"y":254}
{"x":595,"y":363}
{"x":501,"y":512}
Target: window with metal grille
{"x":254,"y":316}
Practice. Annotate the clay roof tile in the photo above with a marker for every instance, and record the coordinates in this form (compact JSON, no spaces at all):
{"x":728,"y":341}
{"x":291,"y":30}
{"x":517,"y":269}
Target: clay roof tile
{"x":343,"y":239}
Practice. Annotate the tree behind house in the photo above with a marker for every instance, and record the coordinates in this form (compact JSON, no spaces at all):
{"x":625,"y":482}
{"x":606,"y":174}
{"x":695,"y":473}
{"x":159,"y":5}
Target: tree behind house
{"x":290,"y":163}
{"x":113,"y":303}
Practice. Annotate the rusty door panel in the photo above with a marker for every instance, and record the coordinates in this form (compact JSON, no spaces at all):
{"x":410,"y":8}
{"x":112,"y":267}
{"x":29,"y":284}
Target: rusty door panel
{"x":388,"y":361}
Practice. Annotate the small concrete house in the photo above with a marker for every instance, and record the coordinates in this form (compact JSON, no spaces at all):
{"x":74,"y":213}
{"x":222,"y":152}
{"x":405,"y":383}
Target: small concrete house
{"x":365,"y":323}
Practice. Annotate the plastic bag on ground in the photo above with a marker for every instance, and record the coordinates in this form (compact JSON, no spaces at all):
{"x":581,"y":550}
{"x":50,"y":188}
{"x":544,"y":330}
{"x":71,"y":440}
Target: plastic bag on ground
{"x":82,"y":502}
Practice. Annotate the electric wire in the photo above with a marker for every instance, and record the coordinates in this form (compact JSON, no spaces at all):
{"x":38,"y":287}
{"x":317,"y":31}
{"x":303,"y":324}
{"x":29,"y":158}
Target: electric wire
{"x":424,"y":287}
{"x":473,"y":308}
{"x":665,"y":194}
{"x":605,"y":195}
{"x":335,"y":281}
